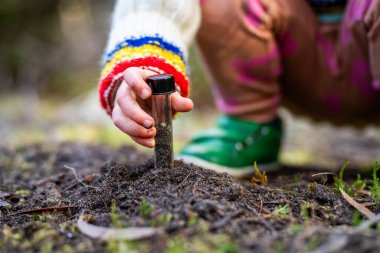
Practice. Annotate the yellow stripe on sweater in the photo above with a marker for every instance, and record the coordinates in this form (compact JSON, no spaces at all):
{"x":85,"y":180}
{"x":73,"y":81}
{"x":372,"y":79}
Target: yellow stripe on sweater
{"x":129,"y":53}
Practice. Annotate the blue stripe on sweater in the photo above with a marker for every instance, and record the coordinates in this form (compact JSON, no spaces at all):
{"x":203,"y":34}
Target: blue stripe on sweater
{"x":149,"y":40}
{"x":330,"y":18}
{"x":327,"y":2}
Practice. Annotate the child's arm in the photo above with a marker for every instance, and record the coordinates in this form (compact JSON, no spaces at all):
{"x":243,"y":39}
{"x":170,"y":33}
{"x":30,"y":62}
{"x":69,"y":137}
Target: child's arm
{"x":147,"y":37}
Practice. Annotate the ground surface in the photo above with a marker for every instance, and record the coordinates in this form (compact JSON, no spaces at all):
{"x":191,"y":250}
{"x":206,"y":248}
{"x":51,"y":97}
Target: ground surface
{"x":197,"y":210}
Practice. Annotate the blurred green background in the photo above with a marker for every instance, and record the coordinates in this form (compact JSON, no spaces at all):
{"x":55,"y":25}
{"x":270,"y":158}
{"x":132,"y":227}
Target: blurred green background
{"x":53,"y":47}
{"x":50,"y":53}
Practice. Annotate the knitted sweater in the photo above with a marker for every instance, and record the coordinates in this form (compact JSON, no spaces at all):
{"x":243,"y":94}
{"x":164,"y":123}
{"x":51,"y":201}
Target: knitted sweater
{"x":150,"y":34}
{"x":329,"y":11}
{"x":154,"y":35}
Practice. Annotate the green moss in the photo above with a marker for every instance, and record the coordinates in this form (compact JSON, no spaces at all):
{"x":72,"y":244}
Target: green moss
{"x":175,"y":246}
{"x":66,"y":249}
{"x":163,"y":219}
{"x":375,"y":188}
{"x":145,"y":208}
{"x":228,"y":247}
{"x":295,"y":228}
{"x":115,"y":221}
{"x":356,"y":218}
{"x":47,"y":247}
{"x":339,"y":181}
{"x":282,"y":211}
{"x":305,"y":211}
{"x":279,"y":245}
{"x":121,"y":246}
{"x":22,"y":193}
{"x":313,"y":243}
{"x":193,"y":219}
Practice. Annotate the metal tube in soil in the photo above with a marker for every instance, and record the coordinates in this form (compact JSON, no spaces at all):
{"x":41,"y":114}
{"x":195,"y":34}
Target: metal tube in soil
{"x":162,"y":86}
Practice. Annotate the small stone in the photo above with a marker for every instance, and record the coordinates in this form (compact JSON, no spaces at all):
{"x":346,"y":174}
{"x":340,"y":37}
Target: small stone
{"x":4,"y":194}
{"x":4,"y":204}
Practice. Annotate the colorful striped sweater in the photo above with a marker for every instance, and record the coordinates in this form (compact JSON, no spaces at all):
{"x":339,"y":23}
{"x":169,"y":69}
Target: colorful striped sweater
{"x":150,"y":34}
{"x":155,"y":35}
{"x":329,"y":11}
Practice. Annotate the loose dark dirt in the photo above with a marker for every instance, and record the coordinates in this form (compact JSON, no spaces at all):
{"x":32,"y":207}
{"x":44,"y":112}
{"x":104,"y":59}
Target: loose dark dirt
{"x":164,"y":146}
{"x":199,"y":210}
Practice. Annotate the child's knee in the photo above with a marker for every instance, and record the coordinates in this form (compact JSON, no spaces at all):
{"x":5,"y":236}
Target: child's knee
{"x":263,"y":15}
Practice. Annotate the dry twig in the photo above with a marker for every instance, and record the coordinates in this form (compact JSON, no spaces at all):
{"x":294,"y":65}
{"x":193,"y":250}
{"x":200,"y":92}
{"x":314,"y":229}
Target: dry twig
{"x":80,"y":180}
{"x":45,"y":210}
{"x":104,"y":233}
{"x":361,"y":208}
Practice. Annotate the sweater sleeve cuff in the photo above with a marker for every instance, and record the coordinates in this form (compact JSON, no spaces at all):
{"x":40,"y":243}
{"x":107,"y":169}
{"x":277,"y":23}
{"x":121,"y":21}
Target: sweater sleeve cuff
{"x":152,"y":53}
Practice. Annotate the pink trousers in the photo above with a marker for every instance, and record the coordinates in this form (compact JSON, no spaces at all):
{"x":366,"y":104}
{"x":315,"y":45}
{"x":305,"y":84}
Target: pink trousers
{"x":261,"y":57}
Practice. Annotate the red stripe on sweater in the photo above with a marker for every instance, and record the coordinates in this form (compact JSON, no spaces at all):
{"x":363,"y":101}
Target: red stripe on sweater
{"x":180,"y":79}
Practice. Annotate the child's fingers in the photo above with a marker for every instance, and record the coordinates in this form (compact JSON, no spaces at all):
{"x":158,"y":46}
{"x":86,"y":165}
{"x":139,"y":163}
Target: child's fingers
{"x":255,"y":7}
{"x":132,"y":109}
{"x":147,"y":142}
{"x":135,"y":78}
{"x":181,"y":104}
{"x":274,"y":10}
{"x":130,"y":127}
{"x":258,"y":8}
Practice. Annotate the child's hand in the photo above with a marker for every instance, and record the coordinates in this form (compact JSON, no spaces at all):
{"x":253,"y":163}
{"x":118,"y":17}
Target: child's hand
{"x":132,"y":106}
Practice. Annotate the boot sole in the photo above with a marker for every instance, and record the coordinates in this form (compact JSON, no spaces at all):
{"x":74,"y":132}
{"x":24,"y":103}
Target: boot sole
{"x":241,"y":172}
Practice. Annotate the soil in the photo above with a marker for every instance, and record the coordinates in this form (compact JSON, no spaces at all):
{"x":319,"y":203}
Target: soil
{"x":199,"y":210}
{"x":164,"y":146}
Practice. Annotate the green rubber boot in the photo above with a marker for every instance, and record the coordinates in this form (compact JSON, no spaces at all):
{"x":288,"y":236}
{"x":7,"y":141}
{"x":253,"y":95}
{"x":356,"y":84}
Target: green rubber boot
{"x":235,"y":145}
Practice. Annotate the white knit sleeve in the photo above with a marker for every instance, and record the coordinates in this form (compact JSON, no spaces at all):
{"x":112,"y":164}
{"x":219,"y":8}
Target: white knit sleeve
{"x":151,"y":34}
